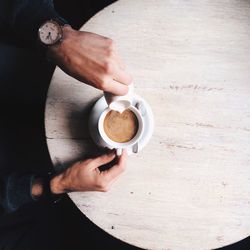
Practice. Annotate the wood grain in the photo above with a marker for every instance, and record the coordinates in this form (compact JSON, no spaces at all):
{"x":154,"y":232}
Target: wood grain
{"x":190,"y":187}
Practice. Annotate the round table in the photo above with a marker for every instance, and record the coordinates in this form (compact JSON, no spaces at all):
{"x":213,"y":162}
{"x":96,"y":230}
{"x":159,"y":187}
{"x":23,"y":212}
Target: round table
{"x":190,"y":186}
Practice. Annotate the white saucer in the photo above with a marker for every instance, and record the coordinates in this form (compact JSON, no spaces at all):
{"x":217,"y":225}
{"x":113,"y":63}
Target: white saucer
{"x":140,"y":104}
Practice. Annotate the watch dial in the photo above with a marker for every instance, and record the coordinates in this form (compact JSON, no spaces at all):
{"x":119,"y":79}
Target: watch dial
{"x":50,"y":33}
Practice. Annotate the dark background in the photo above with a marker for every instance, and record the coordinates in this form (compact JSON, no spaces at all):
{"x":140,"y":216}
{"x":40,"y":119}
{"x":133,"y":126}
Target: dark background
{"x":24,"y":81}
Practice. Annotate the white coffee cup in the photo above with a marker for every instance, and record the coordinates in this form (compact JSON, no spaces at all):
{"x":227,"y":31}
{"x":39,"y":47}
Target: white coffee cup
{"x":120,"y":103}
{"x":107,"y":142}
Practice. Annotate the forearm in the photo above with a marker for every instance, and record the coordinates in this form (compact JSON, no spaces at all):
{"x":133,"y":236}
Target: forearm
{"x":18,"y":189}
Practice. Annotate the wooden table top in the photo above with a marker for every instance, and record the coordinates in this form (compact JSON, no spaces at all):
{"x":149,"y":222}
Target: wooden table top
{"x":190,"y":186}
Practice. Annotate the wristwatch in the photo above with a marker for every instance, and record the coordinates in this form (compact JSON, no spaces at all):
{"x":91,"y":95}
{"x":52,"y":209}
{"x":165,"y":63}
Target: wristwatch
{"x":50,"y":32}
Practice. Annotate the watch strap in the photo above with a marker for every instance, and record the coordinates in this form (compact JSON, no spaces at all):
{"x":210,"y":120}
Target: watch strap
{"x":61,"y":21}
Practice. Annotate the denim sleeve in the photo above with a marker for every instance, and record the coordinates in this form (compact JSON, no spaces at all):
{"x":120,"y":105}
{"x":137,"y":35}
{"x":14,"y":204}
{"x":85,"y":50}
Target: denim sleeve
{"x":15,"y":191}
{"x":22,"y":18}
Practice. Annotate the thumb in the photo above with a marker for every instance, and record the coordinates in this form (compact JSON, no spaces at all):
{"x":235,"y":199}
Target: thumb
{"x":104,"y":159}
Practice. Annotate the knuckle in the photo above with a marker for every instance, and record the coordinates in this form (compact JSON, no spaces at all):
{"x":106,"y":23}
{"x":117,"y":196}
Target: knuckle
{"x":122,"y":167}
{"x":105,"y":189}
{"x":108,"y":67}
{"x":103,"y":83}
{"x":110,"y":53}
{"x":102,"y":184}
{"x":87,"y":162}
{"x":110,"y":43}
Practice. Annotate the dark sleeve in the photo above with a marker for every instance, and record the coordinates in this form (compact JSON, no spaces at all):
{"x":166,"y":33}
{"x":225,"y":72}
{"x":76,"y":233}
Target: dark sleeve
{"x":22,"y":18}
{"x":15,"y":191}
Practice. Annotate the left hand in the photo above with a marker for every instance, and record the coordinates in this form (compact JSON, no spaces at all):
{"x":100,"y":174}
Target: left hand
{"x":86,"y":176}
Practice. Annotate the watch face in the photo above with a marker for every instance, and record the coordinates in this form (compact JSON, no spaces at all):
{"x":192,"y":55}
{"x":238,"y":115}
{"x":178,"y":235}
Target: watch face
{"x":50,"y":32}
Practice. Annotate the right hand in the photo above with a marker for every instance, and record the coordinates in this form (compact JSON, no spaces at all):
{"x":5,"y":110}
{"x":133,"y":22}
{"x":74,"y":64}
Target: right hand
{"x":86,"y":176}
{"x":92,"y":59}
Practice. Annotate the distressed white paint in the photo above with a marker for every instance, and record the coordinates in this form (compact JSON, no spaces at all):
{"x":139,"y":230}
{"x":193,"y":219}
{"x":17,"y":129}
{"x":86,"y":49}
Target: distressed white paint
{"x":190,"y":187}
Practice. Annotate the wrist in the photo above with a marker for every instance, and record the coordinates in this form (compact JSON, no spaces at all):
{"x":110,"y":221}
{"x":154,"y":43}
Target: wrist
{"x":57,"y":49}
{"x":51,"y":33}
{"x":47,"y":187}
{"x":57,"y":185}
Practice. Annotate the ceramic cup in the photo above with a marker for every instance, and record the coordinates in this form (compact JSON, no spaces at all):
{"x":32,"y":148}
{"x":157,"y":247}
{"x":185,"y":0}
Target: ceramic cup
{"x":107,"y":142}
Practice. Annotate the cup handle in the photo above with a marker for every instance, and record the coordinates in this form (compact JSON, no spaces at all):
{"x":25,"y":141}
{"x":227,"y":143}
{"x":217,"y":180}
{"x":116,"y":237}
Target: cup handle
{"x":135,"y":148}
{"x":141,"y":108}
{"x":119,"y":151}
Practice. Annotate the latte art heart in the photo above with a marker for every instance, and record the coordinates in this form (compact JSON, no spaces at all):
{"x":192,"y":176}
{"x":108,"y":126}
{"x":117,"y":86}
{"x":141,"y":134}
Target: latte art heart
{"x":121,"y":127}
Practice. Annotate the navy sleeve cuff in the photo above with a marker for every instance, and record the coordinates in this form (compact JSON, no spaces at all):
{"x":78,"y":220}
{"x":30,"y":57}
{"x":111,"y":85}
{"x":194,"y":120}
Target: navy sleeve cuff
{"x":26,"y":16}
{"x":17,"y":191}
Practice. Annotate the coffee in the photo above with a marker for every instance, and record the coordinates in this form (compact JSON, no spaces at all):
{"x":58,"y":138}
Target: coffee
{"x":121,"y":127}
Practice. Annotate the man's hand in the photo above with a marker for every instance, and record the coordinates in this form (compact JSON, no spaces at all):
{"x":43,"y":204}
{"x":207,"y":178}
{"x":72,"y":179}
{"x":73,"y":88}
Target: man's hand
{"x":92,"y":59}
{"x":86,"y":176}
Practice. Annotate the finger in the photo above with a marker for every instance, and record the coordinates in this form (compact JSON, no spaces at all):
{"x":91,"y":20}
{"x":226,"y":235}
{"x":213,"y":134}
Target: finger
{"x":112,"y":173}
{"x":114,"y":180}
{"x":116,"y":88}
{"x":103,"y":159}
{"x":122,"y":76}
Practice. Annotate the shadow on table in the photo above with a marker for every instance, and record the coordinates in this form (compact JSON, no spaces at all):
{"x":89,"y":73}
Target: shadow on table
{"x":77,"y":120}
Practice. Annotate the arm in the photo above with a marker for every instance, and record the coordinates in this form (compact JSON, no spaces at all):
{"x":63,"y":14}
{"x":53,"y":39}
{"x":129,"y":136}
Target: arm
{"x":81,"y":176}
{"x":84,"y":176}
{"x":88,"y":57}
{"x":92,"y":59}
{"x":87,"y":176}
